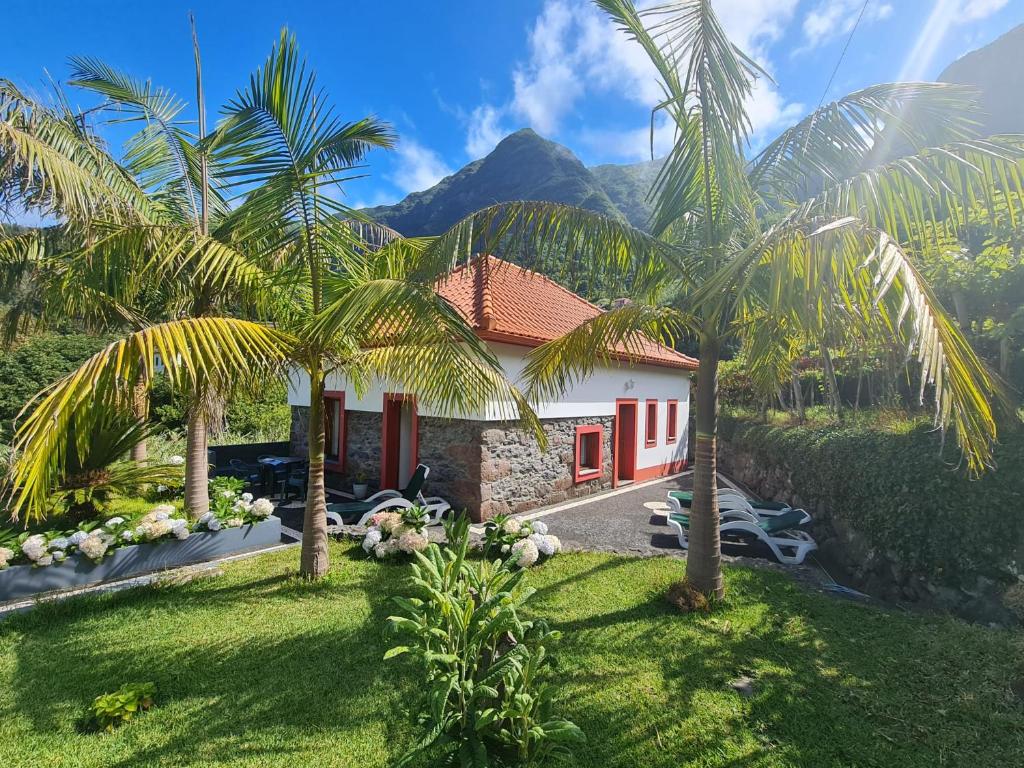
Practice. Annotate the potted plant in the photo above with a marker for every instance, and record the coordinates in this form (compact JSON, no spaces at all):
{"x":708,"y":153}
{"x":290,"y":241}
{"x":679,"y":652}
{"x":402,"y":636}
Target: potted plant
{"x":360,"y":488}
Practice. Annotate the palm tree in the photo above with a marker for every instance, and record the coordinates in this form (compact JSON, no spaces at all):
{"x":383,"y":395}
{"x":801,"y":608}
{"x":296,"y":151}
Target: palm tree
{"x":135,"y":243}
{"x":764,"y":250}
{"x":362,"y":298}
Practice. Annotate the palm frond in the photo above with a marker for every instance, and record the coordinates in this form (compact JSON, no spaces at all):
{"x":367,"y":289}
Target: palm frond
{"x":857,"y":132}
{"x":55,"y":166}
{"x":213,"y":351}
{"x":626,"y":334}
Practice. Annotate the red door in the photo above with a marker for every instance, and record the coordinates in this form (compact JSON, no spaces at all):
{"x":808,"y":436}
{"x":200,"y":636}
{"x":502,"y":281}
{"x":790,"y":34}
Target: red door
{"x":624,"y":458}
{"x":399,"y":441}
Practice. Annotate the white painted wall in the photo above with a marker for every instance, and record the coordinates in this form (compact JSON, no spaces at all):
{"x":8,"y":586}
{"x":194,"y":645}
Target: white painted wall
{"x":593,"y":397}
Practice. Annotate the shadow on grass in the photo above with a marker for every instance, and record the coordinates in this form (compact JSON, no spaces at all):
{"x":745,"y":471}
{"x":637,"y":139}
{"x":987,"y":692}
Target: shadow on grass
{"x":832,"y":684}
{"x":243,"y":671}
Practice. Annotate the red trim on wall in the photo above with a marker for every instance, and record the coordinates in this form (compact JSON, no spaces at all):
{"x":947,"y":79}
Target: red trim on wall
{"x":387,"y":470}
{"x":339,"y":396}
{"x":649,"y":473}
{"x":671,"y":421}
{"x":580,"y":474}
{"x":616,"y":427}
{"x":650,"y":435}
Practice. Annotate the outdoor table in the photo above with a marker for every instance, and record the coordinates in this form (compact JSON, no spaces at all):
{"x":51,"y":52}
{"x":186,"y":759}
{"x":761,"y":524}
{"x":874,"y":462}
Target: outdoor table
{"x":273,"y":464}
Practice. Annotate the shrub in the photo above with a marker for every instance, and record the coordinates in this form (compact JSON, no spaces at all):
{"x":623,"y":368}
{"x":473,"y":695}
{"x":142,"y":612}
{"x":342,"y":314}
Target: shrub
{"x":268,"y":415}
{"x":398,"y":531}
{"x":112,"y":709}
{"x":486,"y":701}
{"x":890,"y":482}
{"x":37,"y":363}
{"x":528,"y":540}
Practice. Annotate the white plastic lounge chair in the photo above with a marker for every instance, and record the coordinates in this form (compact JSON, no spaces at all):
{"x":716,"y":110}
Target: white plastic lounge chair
{"x":780,"y":532}
{"x":390,"y":499}
{"x":728,"y":499}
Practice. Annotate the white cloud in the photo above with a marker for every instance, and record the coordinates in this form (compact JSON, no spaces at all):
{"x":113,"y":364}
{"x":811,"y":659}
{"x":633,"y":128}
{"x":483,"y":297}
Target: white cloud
{"x":417,"y":167}
{"x":830,"y":19}
{"x":485,"y":130}
{"x":575,"y":51}
{"x":980,"y":9}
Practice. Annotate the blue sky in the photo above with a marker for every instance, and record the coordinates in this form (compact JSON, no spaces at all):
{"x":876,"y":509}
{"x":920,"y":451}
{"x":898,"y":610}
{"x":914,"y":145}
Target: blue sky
{"x":455,"y":76}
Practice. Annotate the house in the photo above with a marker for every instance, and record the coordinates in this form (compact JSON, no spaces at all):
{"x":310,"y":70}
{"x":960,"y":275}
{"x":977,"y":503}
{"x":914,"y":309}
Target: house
{"x":626,"y":423}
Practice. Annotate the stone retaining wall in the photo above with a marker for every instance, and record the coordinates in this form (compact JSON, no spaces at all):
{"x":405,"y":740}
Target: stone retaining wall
{"x":849,"y":554}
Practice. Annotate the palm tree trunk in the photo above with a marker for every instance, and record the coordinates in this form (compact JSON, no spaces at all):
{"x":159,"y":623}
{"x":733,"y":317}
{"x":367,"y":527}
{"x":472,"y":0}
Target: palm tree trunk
{"x":798,"y":396}
{"x":197,"y":467}
{"x":704,"y":560}
{"x":140,"y":409}
{"x":1004,"y":354}
{"x":315,"y":557}
{"x":831,"y":383}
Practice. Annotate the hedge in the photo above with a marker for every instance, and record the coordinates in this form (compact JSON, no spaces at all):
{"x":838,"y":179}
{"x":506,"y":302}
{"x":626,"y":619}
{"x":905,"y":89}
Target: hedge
{"x":890,"y":484}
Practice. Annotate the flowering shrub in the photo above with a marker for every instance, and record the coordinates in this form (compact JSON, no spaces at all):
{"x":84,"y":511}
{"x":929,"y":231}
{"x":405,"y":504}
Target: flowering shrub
{"x":94,"y":540}
{"x":400,"y":531}
{"x":485,"y":699}
{"x":231,"y":508}
{"x":525,"y":542}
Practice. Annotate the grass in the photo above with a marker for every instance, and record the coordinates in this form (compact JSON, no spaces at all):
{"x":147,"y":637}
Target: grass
{"x":256,"y":668}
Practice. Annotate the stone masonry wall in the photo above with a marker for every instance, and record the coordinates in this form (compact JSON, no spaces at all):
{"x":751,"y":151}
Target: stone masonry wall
{"x":516,"y":476}
{"x":485,"y":468}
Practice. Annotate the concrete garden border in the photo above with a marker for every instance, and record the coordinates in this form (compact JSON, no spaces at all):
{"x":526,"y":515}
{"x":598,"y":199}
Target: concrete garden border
{"x":21,"y":581}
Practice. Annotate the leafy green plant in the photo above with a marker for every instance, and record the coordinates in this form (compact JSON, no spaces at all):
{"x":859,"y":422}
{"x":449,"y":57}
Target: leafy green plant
{"x":112,"y":709}
{"x":487,"y":702}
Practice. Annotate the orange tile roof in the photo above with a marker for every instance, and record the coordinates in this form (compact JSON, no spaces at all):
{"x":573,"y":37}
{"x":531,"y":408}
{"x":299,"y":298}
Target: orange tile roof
{"x":504,"y":302}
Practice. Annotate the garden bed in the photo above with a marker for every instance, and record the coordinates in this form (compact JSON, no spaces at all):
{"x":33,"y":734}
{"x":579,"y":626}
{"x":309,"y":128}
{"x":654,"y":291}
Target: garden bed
{"x":22,"y":581}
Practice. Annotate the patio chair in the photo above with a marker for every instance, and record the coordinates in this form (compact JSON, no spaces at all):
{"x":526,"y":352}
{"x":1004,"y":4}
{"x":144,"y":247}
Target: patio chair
{"x":680,"y":501}
{"x":780,"y":533}
{"x":297,"y":478}
{"x":251,"y":473}
{"x":408,"y":497}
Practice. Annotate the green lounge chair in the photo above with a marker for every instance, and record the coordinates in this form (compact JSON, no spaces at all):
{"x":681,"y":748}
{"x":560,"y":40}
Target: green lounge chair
{"x":360,"y":512}
{"x":680,"y":501}
{"x":779,"y":532}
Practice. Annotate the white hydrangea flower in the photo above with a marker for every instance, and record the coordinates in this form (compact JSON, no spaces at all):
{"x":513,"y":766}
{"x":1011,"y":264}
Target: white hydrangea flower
{"x":58,"y":555}
{"x":372,"y":539}
{"x":78,"y":537}
{"x":228,"y":494}
{"x":554,"y":542}
{"x":34,"y":547}
{"x":113,"y":522}
{"x":262,"y":508}
{"x":234,"y":522}
{"x":161,"y":488}
{"x":60,"y":542}
{"x":539,"y":526}
{"x":182,"y":533}
{"x":513,"y":525}
{"x":93,"y":547}
{"x":127,"y":535}
{"x":176,"y":461}
{"x":411,"y":541}
{"x":525,"y":553}
{"x":213,"y":524}
{"x":247,"y":498}
{"x":44,"y":560}
{"x":6,"y":555}
{"x":540,"y":541}
{"x":207,"y":516}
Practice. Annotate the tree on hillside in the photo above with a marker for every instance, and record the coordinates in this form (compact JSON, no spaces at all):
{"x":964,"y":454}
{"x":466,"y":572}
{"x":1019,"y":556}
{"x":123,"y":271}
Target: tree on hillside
{"x":764,"y":250}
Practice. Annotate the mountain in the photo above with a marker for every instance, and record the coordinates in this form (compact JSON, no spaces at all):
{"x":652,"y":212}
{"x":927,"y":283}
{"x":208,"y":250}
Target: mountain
{"x":997,"y":70}
{"x":627,"y":187}
{"x":523,"y":166}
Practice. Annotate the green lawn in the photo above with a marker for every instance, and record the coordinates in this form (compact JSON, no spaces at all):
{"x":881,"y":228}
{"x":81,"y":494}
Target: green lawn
{"x":257,"y":668}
